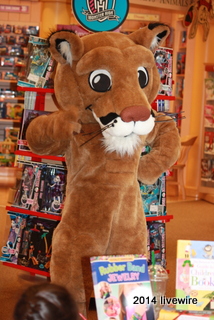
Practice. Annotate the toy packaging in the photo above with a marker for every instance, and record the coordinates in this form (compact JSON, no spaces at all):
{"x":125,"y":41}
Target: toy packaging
{"x":35,"y":251}
{"x":181,"y":61}
{"x":7,"y":149}
{"x":42,"y":188}
{"x":9,"y":110}
{"x":12,"y":133}
{"x":209,"y":115}
{"x":194,"y":275}
{"x":157,"y":241}
{"x":12,"y":247}
{"x":24,"y":194}
{"x":121,"y":283}
{"x":163,"y":57}
{"x":209,"y":142}
{"x":27,"y":117}
{"x":39,"y":65}
{"x":154,"y":197}
{"x":209,"y":89}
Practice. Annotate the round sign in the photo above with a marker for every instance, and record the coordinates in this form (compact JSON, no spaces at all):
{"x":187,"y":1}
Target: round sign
{"x":100,"y":15}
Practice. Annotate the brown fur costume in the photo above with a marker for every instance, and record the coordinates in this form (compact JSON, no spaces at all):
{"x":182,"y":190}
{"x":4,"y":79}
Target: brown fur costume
{"x":105,"y":83}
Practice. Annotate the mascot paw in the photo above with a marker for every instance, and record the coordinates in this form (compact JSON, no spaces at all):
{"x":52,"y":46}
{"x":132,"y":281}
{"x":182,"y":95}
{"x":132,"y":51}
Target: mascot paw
{"x":65,"y":126}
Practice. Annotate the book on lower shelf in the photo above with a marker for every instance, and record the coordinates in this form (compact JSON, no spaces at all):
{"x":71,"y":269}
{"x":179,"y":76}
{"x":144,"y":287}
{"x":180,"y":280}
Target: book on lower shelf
{"x":195,"y":276}
{"x":122,"y":287}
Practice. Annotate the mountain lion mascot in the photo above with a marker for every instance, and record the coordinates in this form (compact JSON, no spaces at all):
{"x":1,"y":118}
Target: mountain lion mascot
{"x":104,"y":84}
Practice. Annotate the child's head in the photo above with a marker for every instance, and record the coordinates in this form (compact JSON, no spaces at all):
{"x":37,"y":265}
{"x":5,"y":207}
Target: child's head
{"x":46,"y":301}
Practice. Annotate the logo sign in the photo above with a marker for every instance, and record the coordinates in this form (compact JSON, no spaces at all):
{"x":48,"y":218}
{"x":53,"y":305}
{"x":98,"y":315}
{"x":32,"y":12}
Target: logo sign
{"x":100,"y":15}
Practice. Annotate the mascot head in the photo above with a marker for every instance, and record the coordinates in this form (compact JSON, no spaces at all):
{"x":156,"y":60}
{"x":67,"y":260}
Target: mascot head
{"x":109,"y":78}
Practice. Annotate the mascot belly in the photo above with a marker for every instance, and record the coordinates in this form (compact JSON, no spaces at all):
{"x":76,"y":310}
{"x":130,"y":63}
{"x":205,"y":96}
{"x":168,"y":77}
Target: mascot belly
{"x":105,"y":84}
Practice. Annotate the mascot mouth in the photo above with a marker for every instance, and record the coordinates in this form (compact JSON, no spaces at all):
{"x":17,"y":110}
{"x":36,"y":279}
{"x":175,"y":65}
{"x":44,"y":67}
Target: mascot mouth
{"x":113,"y":124}
{"x":121,"y":136}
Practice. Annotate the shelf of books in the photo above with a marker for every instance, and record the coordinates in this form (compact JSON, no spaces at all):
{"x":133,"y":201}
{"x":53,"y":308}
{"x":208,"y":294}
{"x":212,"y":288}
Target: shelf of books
{"x":207,"y":161}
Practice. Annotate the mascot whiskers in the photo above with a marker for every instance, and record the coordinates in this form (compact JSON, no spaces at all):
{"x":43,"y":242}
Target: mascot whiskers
{"x":104,"y":84}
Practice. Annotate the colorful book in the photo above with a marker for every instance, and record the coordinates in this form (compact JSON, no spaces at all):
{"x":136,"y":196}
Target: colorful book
{"x":122,"y":287}
{"x":195,"y":276}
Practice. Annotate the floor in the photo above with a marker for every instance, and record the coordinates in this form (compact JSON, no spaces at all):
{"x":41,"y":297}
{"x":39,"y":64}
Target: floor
{"x":13,"y":281}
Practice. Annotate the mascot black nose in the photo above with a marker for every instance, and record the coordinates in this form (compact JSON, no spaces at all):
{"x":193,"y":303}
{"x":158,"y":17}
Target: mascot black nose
{"x":135,"y":113}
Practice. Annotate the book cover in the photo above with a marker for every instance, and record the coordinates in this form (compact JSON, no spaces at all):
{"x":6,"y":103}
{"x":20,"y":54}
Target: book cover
{"x":195,"y":276}
{"x":122,"y":287}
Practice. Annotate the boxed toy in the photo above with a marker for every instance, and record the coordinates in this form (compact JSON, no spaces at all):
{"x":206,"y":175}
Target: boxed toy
{"x":163,"y":57}
{"x":42,"y":188}
{"x":157,"y":241}
{"x":11,"y":249}
{"x":154,"y":197}
{"x":35,"y":251}
{"x":40,"y":65}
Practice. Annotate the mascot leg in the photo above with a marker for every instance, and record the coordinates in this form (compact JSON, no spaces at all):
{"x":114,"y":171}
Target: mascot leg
{"x":70,"y":263}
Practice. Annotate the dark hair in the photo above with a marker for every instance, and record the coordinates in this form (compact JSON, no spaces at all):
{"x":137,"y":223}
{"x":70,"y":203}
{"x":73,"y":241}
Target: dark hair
{"x":46,"y":301}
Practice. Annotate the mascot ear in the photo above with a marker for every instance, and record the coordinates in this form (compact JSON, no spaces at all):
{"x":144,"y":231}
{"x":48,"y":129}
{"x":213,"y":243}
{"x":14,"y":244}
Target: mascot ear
{"x":65,"y":46}
{"x":151,"y":36}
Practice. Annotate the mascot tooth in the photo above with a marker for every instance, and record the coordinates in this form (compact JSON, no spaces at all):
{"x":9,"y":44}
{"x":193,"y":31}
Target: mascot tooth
{"x":104,"y":84}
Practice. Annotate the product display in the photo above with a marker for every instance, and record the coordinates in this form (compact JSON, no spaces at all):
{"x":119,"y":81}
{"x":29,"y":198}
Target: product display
{"x":102,"y":191}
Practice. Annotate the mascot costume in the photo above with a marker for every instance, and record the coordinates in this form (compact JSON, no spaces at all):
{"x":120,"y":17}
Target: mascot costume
{"x":104,"y":84}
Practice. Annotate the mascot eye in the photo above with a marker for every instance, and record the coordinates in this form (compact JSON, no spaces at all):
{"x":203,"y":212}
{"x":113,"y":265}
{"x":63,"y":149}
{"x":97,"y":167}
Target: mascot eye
{"x":100,"y":80}
{"x":143,"y":77}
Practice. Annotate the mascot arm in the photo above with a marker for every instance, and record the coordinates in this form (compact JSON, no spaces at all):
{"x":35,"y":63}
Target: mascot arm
{"x":164,"y":141}
{"x":51,"y":134}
